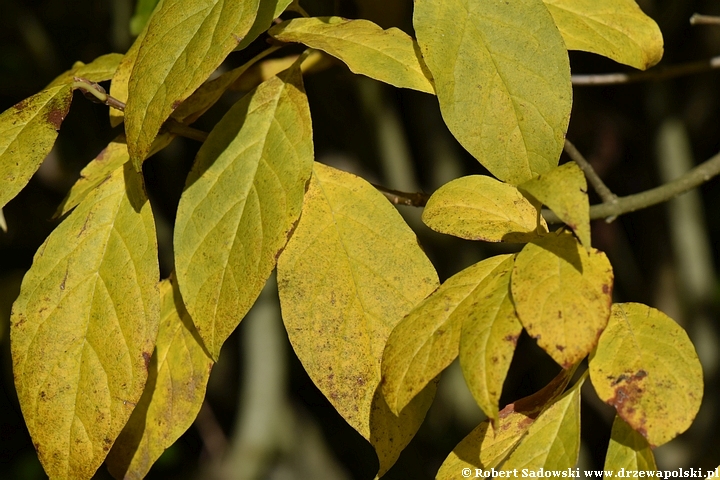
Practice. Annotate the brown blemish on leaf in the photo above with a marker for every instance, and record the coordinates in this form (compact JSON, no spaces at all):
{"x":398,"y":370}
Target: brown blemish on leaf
{"x":628,"y":395}
{"x":146,"y":357}
{"x":56,"y":117}
{"x":176,"y":104}
{"x":606,"y":289}
{"x":560,"y":347}
{"x":512,"y":339}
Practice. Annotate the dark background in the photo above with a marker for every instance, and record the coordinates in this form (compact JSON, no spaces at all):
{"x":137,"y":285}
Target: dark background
{"x":665,"y":256}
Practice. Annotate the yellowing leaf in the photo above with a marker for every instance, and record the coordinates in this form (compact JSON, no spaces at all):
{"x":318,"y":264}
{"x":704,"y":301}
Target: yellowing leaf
{"x":628,"y":450}
{"x":185,"y":41}
{"x":390,"y":56}
{"x":175,"y":390}
{"x":242,"y":198}
{"x":487,"y":447}
{"x":562,"y":294}
{"x":481,"y":208}
{"x":564,"y":191}
{"x":502,"y":78}
{"x":488,"y":341}
{"x":84,"y":326}
{"x":27,"y":134}
{"x":428,"y":339}
{"x":646,"y":367}
{"x":351,"y":271}
{"x":268,"y":10}
{"x":121,"y":78}
{"x":616,"y":29}
{"x":553,"y":441}
{"x":101,"y":69}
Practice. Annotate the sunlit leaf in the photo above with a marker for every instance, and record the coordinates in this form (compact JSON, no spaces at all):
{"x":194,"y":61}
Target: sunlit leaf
{"x":481,"y":208}
{"x":390,"y":56}
{"x":628,"y":450}
{"x":101,"y":69}
{"x":564,"y":191}
{"x":553,"y":441}
{"x":487,"y":446}
{"x":84,"y":326}
{"x":502,"y":78}
{"x":351,"y":271}
{"x":488,"y":341}
{"x":184,"y":43}
{"x":121,"y":78}
{"x":616,"y":29}
{"x":428,"y":339}
{"x":646,"y":367}
{"x":242,"y":198}
{"x":562,"y":293}
{"x":175,"y":390}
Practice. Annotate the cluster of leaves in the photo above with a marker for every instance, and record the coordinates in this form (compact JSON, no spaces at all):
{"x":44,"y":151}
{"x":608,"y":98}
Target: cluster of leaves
{"x":361,"y":302}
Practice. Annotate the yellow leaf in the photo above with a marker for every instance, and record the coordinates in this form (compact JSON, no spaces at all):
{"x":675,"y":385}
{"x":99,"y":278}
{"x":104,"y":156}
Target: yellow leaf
{"x":84,"y":326}
{"x":488,"y":340}
{"x":714,"y":474}
{"x":564,"y":191}
{"x":175,"y":390}
{"x":628,"y":450}
{"x":553,"y":441}
{"x":562,"y":294}
{"x":502,"y":77}
{"x":242,"y":198}
{"x":481,"y":208}
{"x":646,"y":367}
{"x":487,"y":447}
{"x":101,"y":69}
{"x":616,"y":29}
{"x":186,"y":40}
{"x":428,"y":339}
{"x":121,"y":78}
{"x":390,"y":56}
{"x":351,"y":271}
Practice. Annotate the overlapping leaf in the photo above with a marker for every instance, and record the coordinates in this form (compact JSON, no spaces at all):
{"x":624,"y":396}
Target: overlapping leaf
{"x":502,"y":78}
{"x":390,"y":56}
{"x":28,"y":129}
{"x":481,"y":208}
{"x":564,"y":191}
{"x":646,"y":367}
{"x":562,"y":294}
{"x":351,"y":271}
{"x":628,"y":450}
{"x":428,"y":339}
{"x":616,"y":29}
{"x":184,"y":43}
{"x":487,"y":447}
{"x":242,"y":198}
{"x":175,"y":390}
{"x":84,"y":326}
{"x":553,"y":441}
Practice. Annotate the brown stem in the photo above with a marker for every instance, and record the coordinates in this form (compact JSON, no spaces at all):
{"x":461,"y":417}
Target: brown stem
{"x":698,"y":19}
{"x":605,"y":194}
{"x":660,"y":73}
{"x":396,"y":197}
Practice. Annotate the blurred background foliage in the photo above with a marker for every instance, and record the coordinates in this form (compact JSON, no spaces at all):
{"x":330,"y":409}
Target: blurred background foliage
{"x":263,"y":417}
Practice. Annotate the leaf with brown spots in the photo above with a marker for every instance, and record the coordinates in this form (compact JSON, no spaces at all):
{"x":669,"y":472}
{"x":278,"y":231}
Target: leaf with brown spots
{"x":487,"y":447}
{"x":350,"y":272}
{"x":646,"y":367}
{"x":84,"y":325}
{"x":562,"y":294}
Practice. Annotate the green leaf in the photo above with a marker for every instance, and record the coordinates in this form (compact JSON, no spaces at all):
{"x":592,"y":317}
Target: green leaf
{"x":351,"y":271}
{"x":646,"y":367}
{"x":488,"y":340}
{"x":242,"y":198}
{"x":616,"y":29}
{"x":562,"y":294}
{"x":390,"y":56}
{"x":84,"y":326}
{"x":628,"y":450}
{"x":502,"y":77}
{"x":27,"y":134}
{"x":428,"y":339}
{"x":553,"y":441}
{"x":184,"y":43}
{"x":564,"y":191}
{"x":487,"y":446}
{"x":175,"y":390}
{"x":481,"y":208}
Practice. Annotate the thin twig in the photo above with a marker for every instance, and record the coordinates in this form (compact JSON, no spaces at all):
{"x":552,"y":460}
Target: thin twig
{"x":95,"y":92}
{"x":660,"y":73}
{"x":177,"y":128}
{"x":605,"y":194}
{"x":698,"y":19}
{"x":692,"y":179}
{"x":396,"y":197}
